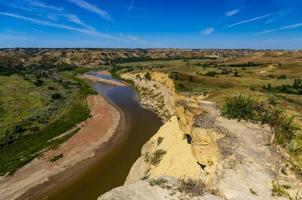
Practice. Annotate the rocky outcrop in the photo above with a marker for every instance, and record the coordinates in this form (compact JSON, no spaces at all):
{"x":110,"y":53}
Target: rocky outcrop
{"x":186,"y":108}
{"x":164,"y":188}
{"x":167,"y":153}
{"x":234,"y":159}
{"x":154,"y":94}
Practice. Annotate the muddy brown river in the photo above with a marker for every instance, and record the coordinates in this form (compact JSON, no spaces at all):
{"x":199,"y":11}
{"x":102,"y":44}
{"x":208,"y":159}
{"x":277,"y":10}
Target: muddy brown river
{"x":110,"y":169}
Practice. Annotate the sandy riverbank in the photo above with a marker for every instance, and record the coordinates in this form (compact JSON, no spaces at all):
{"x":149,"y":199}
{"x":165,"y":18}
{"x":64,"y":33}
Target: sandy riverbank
{"x":94,"y":133}
{"x":102,"y":80}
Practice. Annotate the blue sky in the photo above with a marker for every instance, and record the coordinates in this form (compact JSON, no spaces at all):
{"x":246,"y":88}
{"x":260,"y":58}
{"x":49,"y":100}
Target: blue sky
{"x":260,"y":24}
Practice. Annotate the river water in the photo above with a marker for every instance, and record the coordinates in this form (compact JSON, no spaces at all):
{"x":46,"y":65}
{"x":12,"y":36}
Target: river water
{"x":112,"y":167}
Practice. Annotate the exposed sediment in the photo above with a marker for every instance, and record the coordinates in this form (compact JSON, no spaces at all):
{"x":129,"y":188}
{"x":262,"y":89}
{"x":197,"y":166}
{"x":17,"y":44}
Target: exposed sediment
{"x":101,"y":80}
{"x":91,"y":136}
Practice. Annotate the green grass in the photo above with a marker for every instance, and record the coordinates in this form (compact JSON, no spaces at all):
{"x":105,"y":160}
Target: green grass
{"x":19,"y":100}
{"x":62,"y":116}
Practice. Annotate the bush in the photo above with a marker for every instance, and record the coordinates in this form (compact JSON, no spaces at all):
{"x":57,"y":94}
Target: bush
{"x":157,"y":156}
{"x":295,"y":88}
{"x":192,"y":187}
{"x":282,"y":77}
{"x":51,"y":88}
{"x":56,"y":96}
{"x":279,"y":190}
{"x":159,"y":182}
{"x":148,"y":76}
{"x":239,"y":107}
{"x":268,"y":112}
{"x":159,"y":140}
{"x":39,"y":82}
{"x":211,"y":73}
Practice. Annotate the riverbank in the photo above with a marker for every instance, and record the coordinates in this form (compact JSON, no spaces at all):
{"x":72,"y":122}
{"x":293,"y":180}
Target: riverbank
{"x":102,"y":80}
{"x":91,"y":136}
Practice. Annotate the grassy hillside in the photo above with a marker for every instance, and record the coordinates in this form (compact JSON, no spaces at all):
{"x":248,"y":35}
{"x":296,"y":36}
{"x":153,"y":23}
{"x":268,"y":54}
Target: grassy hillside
{"x":36,"y":107}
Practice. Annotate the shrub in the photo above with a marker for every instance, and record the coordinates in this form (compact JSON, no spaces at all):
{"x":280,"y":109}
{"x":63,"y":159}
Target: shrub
{"x":39,"y":82}
{"x":51,"y":88}
{"x":236,"y":73}
{"x":282,"y":77}
{"x":148,"y":76}
{"x":239,"y":107}
{"x":268,"y":112}
{"x":157,"y":156}
{"x":295,"y":88}
{"x":159,"y":182}
{"x":56,"y":96}
{"x":192,"y":187}
{"x":174,"y":75}
{"x":211,"y":73}
{"x":159,"y":140}
{"x":279,"y":190}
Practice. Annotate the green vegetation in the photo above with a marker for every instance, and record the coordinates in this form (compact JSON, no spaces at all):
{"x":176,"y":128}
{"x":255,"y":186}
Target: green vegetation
{"x":159,"y":182}
{"x":39,"y":102}
{"x":192,"y":187}
{"x":295,"y":88}
{"x":211,"y":73}
{"x":279,"y":190}
{"x":156,"y":157}
{"x":267,"y":112}
{"x":148,"y":76}
{"x":239,"y":107}
{"x":159,"y":140}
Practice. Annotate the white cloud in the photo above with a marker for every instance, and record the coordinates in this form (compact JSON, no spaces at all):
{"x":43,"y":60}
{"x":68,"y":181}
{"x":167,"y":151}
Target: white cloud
{"x":249,"y":20}
{"x":92,"y":8}
{"x":207,"y":31}
{"x":30,"y":5}
{"x":232,"y":12}
{"x":287,"y":27}
{"x":39,"y":4}
{"x":61,"y":26}
{"x":75,"y":19}
{"x":71,"y":18}
{"x":86,"y":30}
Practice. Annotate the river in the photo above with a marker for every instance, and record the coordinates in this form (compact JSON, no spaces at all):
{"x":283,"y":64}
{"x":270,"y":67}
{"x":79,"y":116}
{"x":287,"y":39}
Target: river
{"x":111,"y":168}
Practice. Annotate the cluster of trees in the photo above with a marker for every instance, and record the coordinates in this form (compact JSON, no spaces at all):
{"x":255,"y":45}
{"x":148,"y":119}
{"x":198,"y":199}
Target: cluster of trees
{"x":224,"y":71}
{"x":242,"y":65}
{"x":295,"y":88}
{"x":248,"y":64}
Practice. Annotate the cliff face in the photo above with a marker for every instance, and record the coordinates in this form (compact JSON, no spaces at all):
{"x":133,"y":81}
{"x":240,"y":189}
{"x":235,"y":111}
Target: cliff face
{"x":232,"y":159}
{"x":159,"y":156}
{"x":193,"y":114}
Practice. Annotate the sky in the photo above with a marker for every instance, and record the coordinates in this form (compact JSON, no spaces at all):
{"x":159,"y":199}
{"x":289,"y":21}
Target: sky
{"x":231,"y":24}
